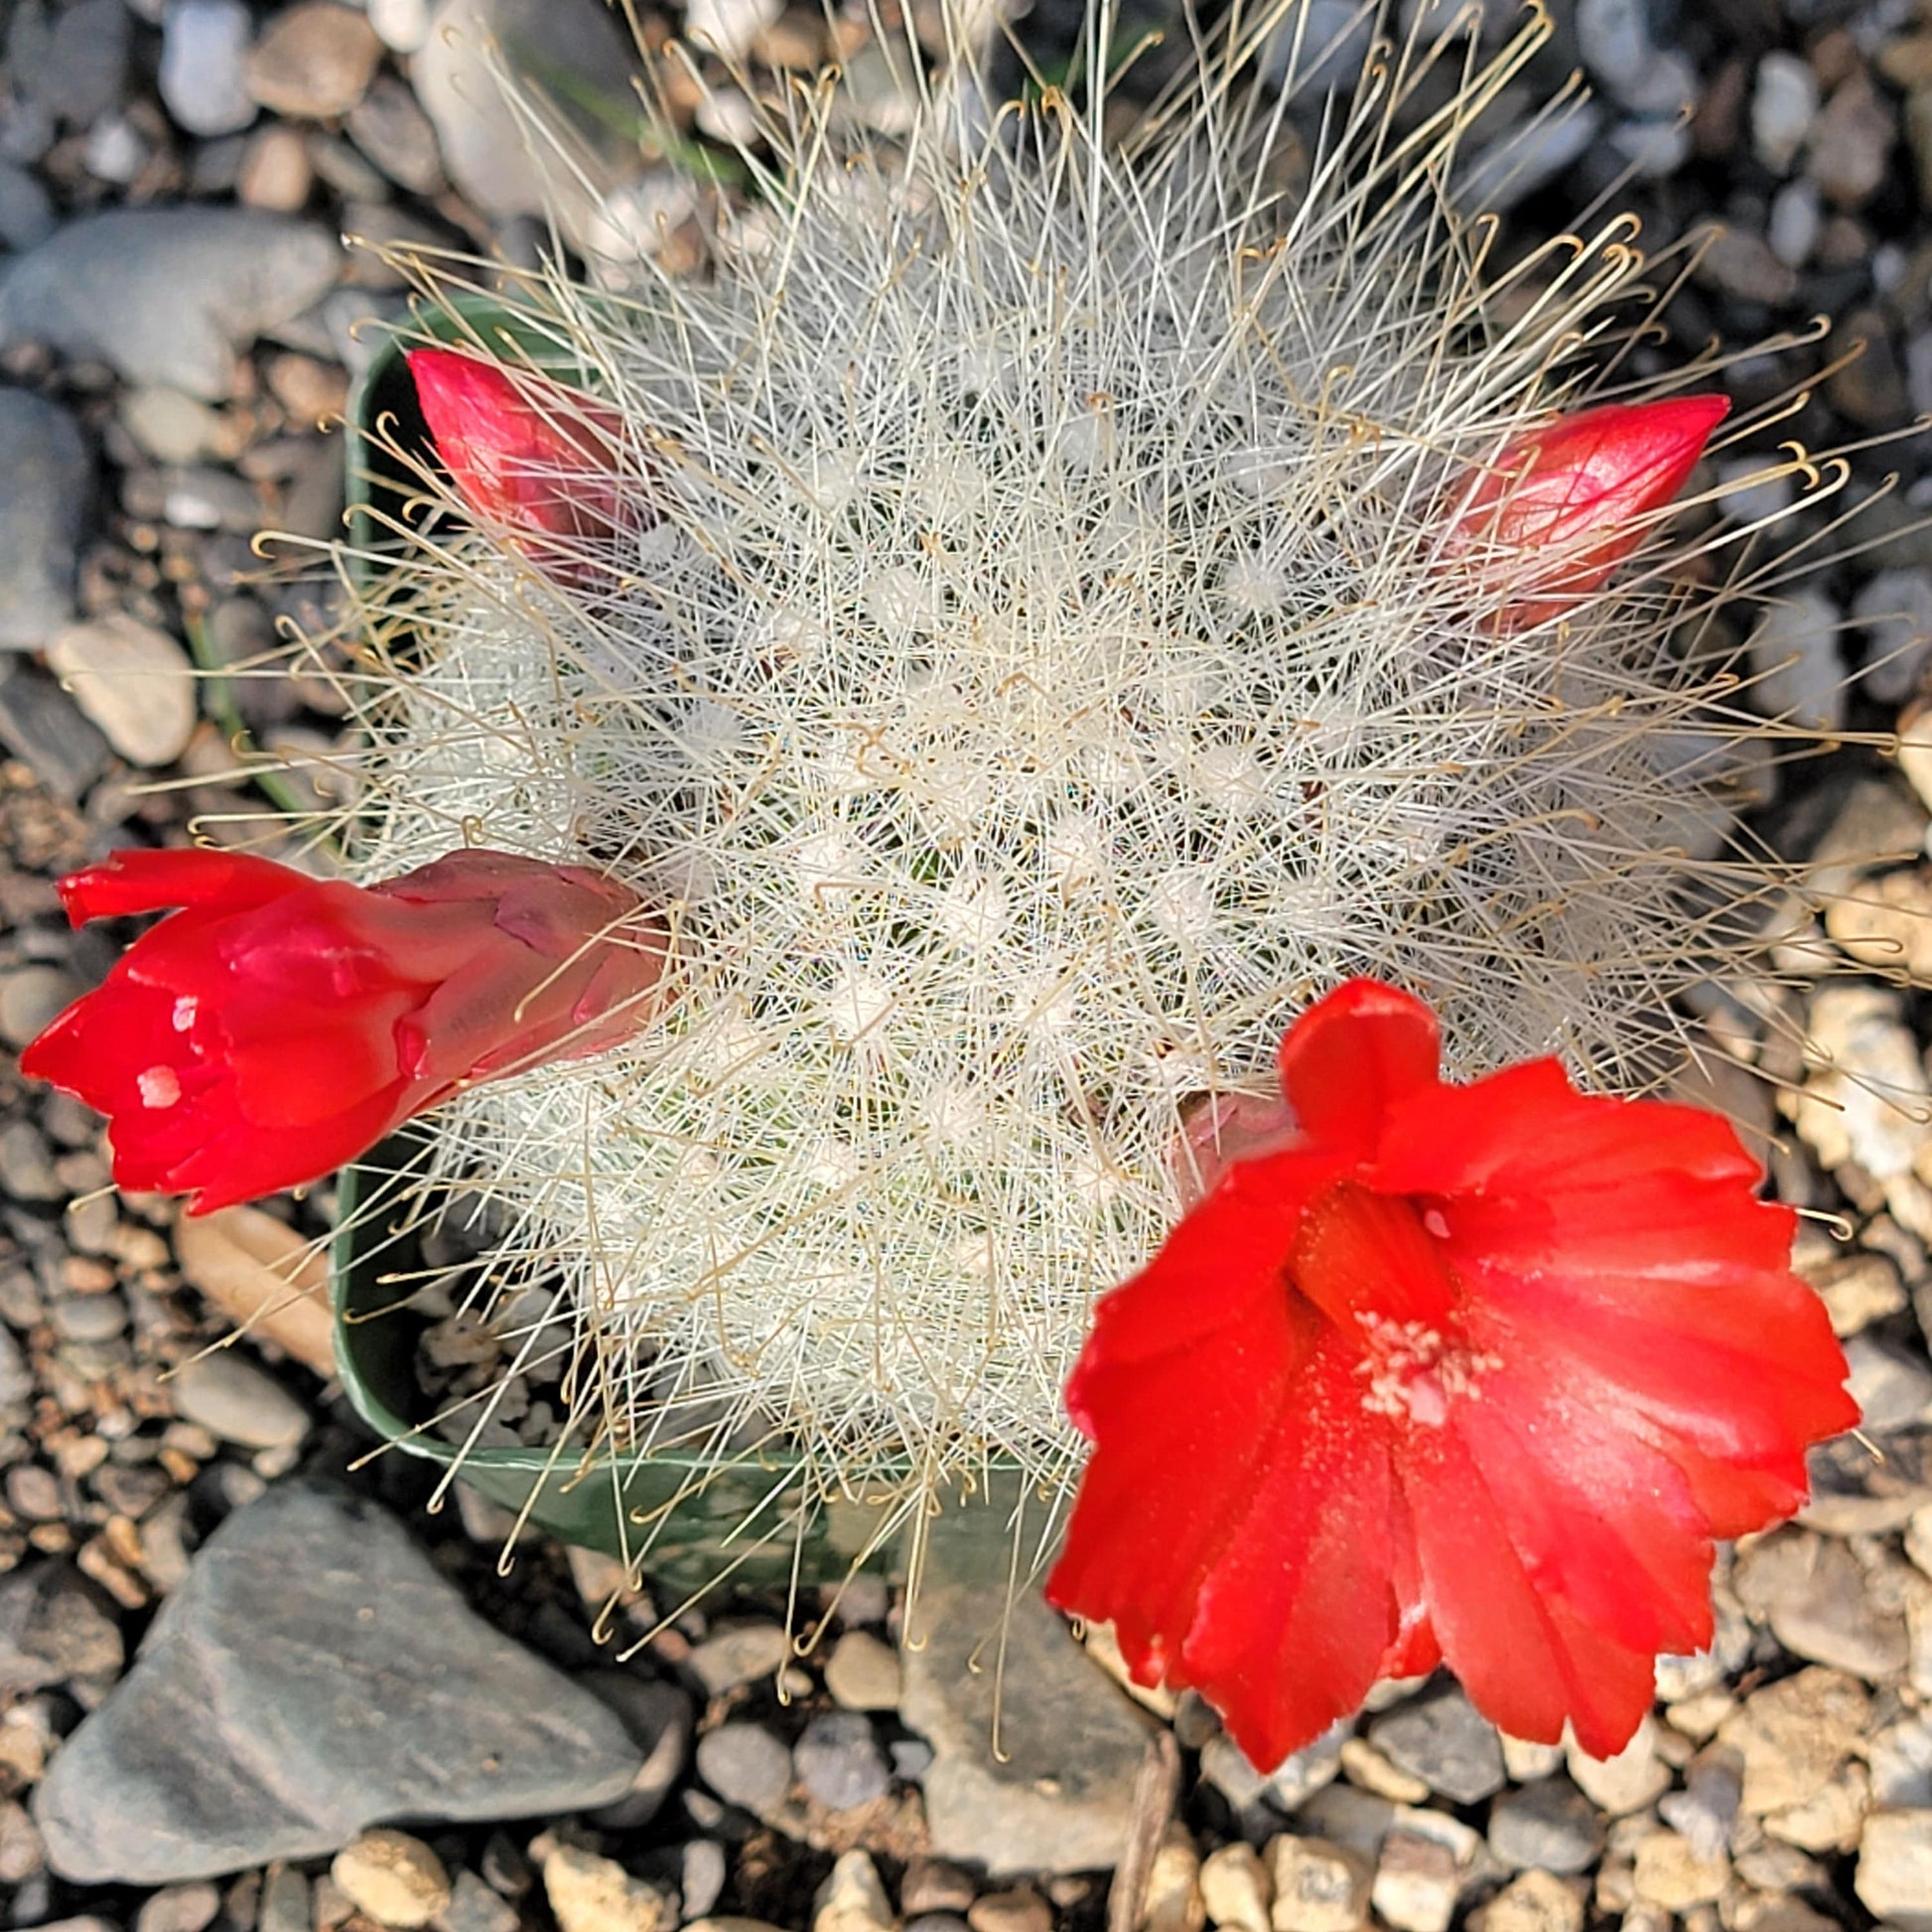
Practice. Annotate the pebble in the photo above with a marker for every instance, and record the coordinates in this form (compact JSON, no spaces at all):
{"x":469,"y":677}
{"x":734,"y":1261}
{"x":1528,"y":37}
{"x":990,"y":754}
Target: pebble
{"x":1059,"y":1796}
{"x":313,"y":60}
{"x":1316,"y":1885}
{"x":861,"y":1673}
{"x":1894,"y":611}
{"x":747,"y":1766}
{"x":1784,"y":105}
{"x":402,"y":26}
{"x":1635,"y":1777}
{"x":204,"y":55}
{"x":852,"y":1900}
{"x":1549,"y":1825}
{"x":1446,"y":1743}
{"x":1419,"y":1874}
{"x":233,"y":1398}
{"x":1671,"y":1872}
{"x":474,"y":1907}
{"x":1813,"y":1593}
{"x":1894,"y":1872}
{"x":275,"y":172}
{"x":172,"y":427}
{"x":133,"y":681}
{"x":166,"y":294}
{"x":1862,"y":1100}
{"x":838,"y":1760}
{"x":934,"y":1885}
{"x":569,"y":43}
{"x":393,"y":1878}
{"x":47,"y":468}
{"x":285,"y":1905}
{"x":1852,"y":142}
{"x":164,"y":1782}
{"x":1742,"y":264}
{"x":1020,"y":1910}
{"x":31,"y":996}
{"x":1514,"y":165}
{"x":593,"y":1894}
{"x":25,"y":208}
{"x":1792,"y":232}
{"x":1173,"y":1901}
{"x":1891,"y":1385}
{"x":728,"y":27}
{"x":739,"y":1656}
{"x":1794,"y":653}
{"x":26,"y":1163}
{"x":1238,"y":1890}
{"x":702,"y":1870}
{"x":1794,"y":1735}
{"x":54,"y":1633}
{"x":394,"y":132}
{"x":1536,"y":1901}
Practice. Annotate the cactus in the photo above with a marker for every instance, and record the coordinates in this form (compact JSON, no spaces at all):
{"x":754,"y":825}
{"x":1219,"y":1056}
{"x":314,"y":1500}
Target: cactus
{"x":1011,"y":613}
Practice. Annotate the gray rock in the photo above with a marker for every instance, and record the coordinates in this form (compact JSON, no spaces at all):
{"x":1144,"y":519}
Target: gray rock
{"x":1515,"y":164}
{"x":179,"y":1908}
{"x":166,"y":294}
{"x":394,"y":132}
{"x":313,"y":1675}
{"x":26,"y":1163}
{"x":204,"y":64}
{"x":1894,"y":611}
{"x":26,"y":210}
{"x":702,"y":1870}
{"x":569,"y":54}
{"x":658,"y":1718}
{"x":30,"y":997}
{"x":1448,"y":1744}
{"x":1794,"y":652}
{"x":42,"y":724}
{"x":45,"y":463}
{"x":838,"y":1760}
{"x":474,"y":1907}
{"x":1058,"y":1796}
{"x":72,"y":60}
{"x":1784,"y":106}
{"x":1549,"y":1825}
{"x":285,"y":1901}
{"x":747,"y":1766}
{"x":1813,"y":1593}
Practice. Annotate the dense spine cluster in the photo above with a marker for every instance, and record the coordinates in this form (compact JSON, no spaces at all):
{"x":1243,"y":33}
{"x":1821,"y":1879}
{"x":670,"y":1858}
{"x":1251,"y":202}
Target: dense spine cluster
{"x":1026,"y":658}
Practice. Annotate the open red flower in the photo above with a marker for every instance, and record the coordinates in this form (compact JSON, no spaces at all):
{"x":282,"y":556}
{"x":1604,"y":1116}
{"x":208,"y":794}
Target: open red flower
{"x":1468,"y":1373}
{"x":1561,"y":507}
{"x":279,"y":1025}
{"x":525,"y":453}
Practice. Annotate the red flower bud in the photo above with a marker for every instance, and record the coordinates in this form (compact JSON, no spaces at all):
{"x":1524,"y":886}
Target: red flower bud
{"x":524,"y":452}
{"x":1475,"y":1374}
{"x":279,"y":1025}
{"x":1561,"y":507}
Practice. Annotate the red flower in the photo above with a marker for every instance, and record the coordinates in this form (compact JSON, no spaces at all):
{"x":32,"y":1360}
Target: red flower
{"x":278,"y":1026}
{"x":524,"y":451}
{"x":1560,"y":508}
{"x":1469,"y":1374}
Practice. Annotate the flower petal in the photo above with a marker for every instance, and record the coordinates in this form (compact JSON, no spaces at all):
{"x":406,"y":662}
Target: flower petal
{"x":1351,"y":1056}
{"x":1297,"y":1613}
{"x":150,"y":882}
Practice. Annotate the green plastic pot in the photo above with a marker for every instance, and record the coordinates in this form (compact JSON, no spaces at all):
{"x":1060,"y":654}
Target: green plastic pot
{"x":697,"y":1525}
